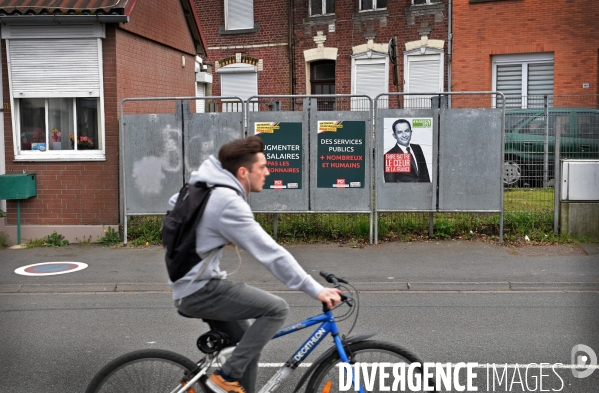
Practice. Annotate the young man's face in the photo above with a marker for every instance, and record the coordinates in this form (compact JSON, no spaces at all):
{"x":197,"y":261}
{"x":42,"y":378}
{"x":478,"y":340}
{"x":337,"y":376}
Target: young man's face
{"x":258,"y":173}
{"x":402,"y":134}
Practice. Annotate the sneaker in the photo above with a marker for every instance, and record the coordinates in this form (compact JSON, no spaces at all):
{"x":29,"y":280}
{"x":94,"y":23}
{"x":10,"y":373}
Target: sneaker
{"x":219,"y":385}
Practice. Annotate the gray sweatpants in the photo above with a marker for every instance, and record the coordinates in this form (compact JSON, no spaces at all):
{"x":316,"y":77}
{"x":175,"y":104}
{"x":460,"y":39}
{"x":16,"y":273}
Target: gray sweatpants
{"x":230,"y":304}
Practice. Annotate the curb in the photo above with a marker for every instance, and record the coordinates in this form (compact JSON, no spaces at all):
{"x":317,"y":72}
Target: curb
{"x":450,"y":286}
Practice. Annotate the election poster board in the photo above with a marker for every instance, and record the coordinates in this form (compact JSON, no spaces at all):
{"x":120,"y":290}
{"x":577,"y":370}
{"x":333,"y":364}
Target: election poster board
{"x":341,"y":154}
{"x":283,"y":150}
{"x":408,"y":149}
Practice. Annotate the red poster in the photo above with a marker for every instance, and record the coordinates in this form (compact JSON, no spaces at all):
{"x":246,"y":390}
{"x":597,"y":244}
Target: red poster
{"x":397,"y":162}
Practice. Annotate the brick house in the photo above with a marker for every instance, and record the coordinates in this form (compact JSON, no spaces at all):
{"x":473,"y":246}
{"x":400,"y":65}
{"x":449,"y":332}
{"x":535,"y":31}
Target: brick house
{"x":324,"y":46}
{"x":526,"y":48}
{"x":65,"y":70}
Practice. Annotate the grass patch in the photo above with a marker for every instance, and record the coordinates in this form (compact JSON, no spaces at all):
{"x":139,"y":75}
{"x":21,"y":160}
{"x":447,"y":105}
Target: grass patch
{"x":528,"y":212}
{"x":53,"y":240}
{"x":110,"y":238}
{"x":144,"y":230}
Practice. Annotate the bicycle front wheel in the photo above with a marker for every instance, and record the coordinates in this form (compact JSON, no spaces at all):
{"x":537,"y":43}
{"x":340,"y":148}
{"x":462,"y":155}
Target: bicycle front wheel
{"x":327,"y":376}
{"x":147,"y":370}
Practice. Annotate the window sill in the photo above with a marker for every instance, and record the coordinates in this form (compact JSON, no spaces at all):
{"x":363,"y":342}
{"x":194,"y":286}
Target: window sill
{"x":97,"y":155}
{"x":320,"y":19}
{"x":371,"y":14}
{"x":222,"y":31}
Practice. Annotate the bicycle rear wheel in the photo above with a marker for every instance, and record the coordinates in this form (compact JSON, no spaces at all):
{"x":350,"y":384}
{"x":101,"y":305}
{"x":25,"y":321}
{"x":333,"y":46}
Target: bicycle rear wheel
{"x":147,"y":370}
{"x":326,"y":376}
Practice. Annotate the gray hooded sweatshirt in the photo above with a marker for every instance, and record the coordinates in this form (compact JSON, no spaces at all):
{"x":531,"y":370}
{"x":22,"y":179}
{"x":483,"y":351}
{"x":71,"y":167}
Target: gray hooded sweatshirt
{"x":228,"y":218}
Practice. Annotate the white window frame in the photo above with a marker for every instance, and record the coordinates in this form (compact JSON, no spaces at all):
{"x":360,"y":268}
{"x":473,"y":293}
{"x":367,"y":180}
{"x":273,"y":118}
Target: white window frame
{"x":374,"y":6}
{"x":323,"y":10}
{"x":369,"y":58}
{"x":428,"y":2}
{"x":420,"y":55}
{"x":248,"y":24}
{"x":238,"y":68}
{"x":14,"y":33}
{"x":523,"y":59}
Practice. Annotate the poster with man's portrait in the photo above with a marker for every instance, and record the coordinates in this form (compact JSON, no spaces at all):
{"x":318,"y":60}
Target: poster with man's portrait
{"x":408,"y":149}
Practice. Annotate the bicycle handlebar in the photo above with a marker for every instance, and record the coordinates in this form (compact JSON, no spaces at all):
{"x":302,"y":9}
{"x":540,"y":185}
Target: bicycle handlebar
{"x":331,"y":278}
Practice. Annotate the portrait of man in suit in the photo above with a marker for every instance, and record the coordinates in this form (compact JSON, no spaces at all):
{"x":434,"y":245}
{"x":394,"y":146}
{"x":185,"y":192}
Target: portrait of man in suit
{"x":405,"y":162}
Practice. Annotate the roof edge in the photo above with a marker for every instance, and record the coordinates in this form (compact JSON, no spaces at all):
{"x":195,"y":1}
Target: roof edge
{"x":194,"y":25}
{"x":61,"y":19}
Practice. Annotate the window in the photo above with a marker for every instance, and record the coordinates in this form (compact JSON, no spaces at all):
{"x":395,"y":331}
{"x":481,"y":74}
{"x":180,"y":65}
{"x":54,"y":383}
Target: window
{"x":238,"y":80}
{"x":322,"y":81}
{"x":370,"y":76}
{"x":524,"y":79}
{"x":423,"y":73}
{"x":372,"y":4}
{"x":422,"y":2}
{"x":322,"y":7}
{"x":56,"y":91}
{"x":239,"y":14}
{"x":55,"y":124}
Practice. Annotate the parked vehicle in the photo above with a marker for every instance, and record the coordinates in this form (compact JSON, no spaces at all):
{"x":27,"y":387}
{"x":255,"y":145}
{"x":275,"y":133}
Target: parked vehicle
{"x":525,"y":131}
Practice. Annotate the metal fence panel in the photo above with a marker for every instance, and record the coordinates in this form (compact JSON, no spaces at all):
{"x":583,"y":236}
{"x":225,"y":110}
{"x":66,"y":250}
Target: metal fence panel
{"x":153,"y":166}
{"x":205,"y":133}
{"x":470,"y":161}
{"x":395,"y":194}
{"x":341,"y":161}
{"x":286,"y":139}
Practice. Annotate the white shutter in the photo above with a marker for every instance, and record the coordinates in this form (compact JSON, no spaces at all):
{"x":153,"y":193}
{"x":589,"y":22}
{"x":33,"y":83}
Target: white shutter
{"x":55,"y":67}
{"x":424,"y":75}
{"x":241,"y":84}
{"x":509,"y":82}
{"x":370,"y":78}
{"x":200,"y":92}
{"x":239,"y":14}
{"x":540,"y":84}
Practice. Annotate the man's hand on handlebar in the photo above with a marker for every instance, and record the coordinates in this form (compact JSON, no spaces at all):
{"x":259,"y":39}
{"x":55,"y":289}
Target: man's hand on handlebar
{"x":329,"y":296}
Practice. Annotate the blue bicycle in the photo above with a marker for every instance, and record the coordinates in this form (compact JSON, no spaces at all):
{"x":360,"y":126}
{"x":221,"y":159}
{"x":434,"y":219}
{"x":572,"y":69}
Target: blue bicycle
{"x":161,"y":371}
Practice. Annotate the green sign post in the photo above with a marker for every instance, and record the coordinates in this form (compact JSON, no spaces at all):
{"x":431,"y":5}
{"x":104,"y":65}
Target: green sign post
{"x":341,"y":154}
{"x":284,"y":154}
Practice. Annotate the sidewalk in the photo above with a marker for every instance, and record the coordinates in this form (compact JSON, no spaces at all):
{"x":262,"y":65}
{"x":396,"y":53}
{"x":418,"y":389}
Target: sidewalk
{"x":421,"y":266}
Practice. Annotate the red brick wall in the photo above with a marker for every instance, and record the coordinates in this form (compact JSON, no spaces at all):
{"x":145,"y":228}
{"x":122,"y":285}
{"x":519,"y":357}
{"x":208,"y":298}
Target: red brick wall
{"x":349,"y":31}
{"x":76,"y":193}
{"x":569,"y":29}
{"x":161,"y":21}
{"x":269,"y":42}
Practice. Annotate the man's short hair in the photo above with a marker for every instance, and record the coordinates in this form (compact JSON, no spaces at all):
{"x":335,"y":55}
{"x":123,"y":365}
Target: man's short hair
{"x":398,"y":122}
{"x":240,"y":153}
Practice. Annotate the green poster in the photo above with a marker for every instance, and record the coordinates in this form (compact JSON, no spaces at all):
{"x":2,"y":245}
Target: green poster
{"x":341,"y":154}
{"x":283,"y":150}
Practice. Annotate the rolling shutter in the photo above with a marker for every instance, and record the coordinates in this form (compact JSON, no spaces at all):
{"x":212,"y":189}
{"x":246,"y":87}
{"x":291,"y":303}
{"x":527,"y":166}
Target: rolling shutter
{"x":200,"y":92}
{"x":540,"y":84}
{"x":239,"y":84}
{"x":423,"y":76}
{"x":239,"y":14}
{"x":370,"y":79}
{"x":55,"y":67}
{"x":509,"y":82}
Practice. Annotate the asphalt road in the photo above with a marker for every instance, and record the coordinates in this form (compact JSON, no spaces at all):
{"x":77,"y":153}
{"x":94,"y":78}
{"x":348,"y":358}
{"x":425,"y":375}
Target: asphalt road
{"x":56,"y":342}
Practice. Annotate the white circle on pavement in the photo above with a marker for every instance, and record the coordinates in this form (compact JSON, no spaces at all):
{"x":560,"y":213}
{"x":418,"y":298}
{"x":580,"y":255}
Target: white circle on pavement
{"x":50,"y":268}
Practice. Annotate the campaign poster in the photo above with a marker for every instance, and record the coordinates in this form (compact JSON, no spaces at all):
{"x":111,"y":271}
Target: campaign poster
{"x":341,"y":154}
{"x":283,"y":150}
{"x":408,"y":149}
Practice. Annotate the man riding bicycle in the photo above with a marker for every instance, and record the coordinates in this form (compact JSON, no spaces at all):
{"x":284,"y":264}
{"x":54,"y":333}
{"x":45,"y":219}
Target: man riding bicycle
{"x":241,"y":165}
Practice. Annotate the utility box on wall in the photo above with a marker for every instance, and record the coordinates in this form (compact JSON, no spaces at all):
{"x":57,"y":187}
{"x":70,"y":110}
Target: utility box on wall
{"x":19,"y":186}
{"x":579,"y":198}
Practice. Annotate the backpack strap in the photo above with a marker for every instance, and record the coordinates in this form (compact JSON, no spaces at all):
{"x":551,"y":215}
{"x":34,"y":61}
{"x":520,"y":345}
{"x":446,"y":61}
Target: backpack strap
{"x":208,"y":259}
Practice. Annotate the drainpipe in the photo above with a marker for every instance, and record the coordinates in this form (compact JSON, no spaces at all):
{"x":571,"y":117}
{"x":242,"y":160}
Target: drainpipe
{"x":449,"y":41}
{"x":291,"y":40}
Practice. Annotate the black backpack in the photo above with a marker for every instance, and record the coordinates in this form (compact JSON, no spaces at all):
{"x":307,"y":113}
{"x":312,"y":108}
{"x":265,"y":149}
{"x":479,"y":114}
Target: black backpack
{"x":179,"y":229}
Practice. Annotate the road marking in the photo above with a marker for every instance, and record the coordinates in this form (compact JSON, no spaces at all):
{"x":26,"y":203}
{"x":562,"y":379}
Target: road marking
{"x":50,"y":268}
